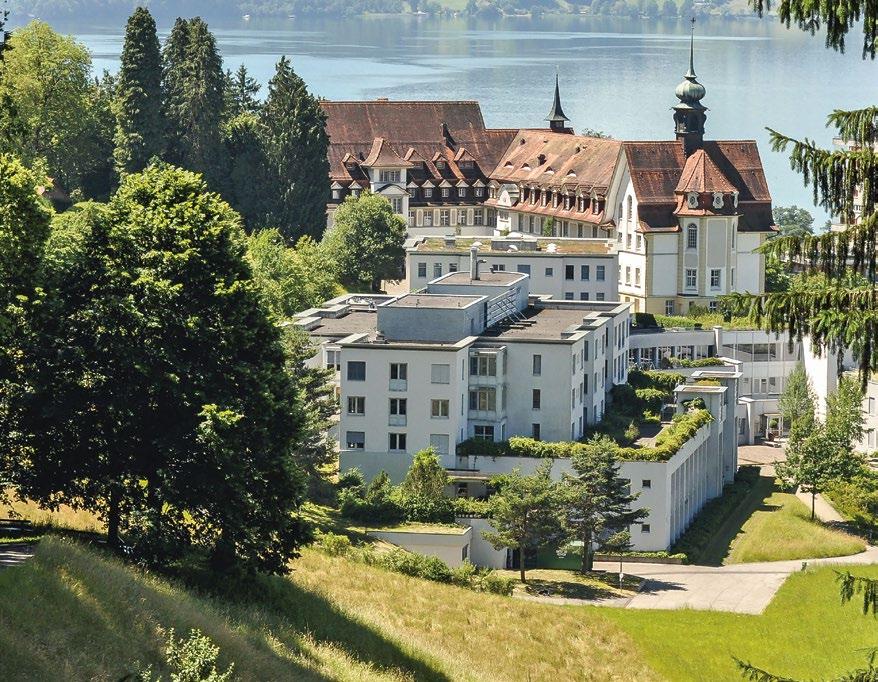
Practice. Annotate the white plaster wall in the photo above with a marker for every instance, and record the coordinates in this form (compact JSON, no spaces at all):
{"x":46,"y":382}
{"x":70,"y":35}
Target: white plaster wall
{"x":481,"y":551}
{"x":449,"y":547}
{"x":663,"y":265}
{"x":748,"y":271}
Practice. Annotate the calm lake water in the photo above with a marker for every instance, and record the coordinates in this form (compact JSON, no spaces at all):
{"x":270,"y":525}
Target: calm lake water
{"x":617,"y":75}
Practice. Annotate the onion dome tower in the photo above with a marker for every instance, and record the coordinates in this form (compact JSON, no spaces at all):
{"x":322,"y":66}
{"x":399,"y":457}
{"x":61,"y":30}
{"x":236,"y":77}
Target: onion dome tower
{"x":690,"y":114}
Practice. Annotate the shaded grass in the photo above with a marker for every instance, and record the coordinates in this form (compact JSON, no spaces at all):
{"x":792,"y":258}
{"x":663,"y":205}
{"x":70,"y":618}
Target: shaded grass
{"x":805,"y":633}
{"x":572,"y":584}
{"x":781,"y":529}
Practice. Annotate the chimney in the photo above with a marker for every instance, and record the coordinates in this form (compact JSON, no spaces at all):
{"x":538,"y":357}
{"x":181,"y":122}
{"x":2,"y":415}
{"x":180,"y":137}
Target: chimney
{"x":473,"y":262}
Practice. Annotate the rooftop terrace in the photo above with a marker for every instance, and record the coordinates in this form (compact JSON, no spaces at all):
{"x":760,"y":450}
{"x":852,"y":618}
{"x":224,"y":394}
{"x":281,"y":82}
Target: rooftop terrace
{"x":434,"y":301}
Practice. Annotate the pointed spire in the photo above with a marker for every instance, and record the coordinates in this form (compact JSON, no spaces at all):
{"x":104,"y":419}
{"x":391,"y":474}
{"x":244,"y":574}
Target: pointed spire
{"x":691,"y":72}
{"x":690,"y":113}
{"x":556,"y":117}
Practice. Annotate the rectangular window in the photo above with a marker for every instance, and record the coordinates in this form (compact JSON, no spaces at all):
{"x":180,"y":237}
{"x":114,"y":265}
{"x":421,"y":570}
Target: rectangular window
{"x":440,"y":374}
{"x":483,"y":399}
{"x":483,"y":365}
{"x":537,"y":365}
{"x":568,"y":271}
{"x":646,"y":483}
{"x":535,"y":431}
{"x":399,"y":371}
{"x":355,"y":440}
{"x":637,"y":277}
{"x":389,"y":176}
{"x":583,"y":296}
{"x":691,"y":278}
{"x":601,"y":273}
{"x":669,"y":307}
{"x":481,"y":432}
{"x":356,"y":370}
{"x":452,"y":267}
{"x":500,"y":267}
{"x":600,"y":296}
{"x":428,"y":192}
{"x":396,"y":203}
{"x":627,"y":274}
{"x":715,"y":278}
{"x":398,"y":406}
{"x":524,"y":269}
{"x":439,"y":442}
{"x":428,"y":220}
{"x":437,"y":270}
{"x":644,"y":528}
{"x":535,"y":399}
{"x":550,"y":272}
{"x":584,"y":272}
{"x":396,"y":442}
{"x":439,"y":409}
{"x":568,"y":296}
{"x":445,"y":192}
{"x":356,"y":404}
{"x":692,"y":237}
{"x":461,"y":192}
{"x":444,"y":217}
{"x":479,"y":193}
{"x":478,"y":216}
{"x":422,"y":270}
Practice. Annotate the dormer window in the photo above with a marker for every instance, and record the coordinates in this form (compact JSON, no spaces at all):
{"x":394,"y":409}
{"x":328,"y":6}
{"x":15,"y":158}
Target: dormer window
{"x":692,"y":199}
{"x":389,"y":176}
{"x":445,"y":192}
{"x":479,"y":192}
{"x":541,"y":159}
{"x":465,"y":165}
{"x":461,"y":192}
{"x":440,"y":165}
{"x":428,"y":192}
{"x":336,"y":194}
{"x":717,"y":199}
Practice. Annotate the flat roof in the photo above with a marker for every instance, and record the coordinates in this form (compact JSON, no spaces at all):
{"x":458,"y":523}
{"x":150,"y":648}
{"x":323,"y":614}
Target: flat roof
{"x":563,"y":246}
{"x":433,"y":301}
{"x":486,"y":276}
{"x":539,"y":324}
{"x":350,"y":323}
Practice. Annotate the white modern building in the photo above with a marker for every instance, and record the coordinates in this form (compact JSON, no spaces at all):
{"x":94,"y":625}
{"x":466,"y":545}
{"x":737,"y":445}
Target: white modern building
{"x":564,"y":269}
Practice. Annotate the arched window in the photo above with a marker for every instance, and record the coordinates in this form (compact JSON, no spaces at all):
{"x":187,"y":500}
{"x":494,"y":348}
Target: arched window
{"x":692,"y":236}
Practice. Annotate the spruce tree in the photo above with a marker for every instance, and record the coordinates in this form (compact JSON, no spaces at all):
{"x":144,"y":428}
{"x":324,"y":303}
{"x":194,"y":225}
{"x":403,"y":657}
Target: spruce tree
{"x":297,"y":148}
{"x":138,"y":107}
{"x":174,"y":60}
{"x":837,"y":304}
{"x":241,"y":93}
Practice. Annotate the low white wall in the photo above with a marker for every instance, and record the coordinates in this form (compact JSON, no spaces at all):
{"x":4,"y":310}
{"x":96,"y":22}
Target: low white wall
{"x":452,"y":548}
{"x":481,"y":551}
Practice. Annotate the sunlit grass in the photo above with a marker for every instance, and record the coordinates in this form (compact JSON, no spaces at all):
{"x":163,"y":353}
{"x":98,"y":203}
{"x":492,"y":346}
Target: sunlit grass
{"x":65,"y":517}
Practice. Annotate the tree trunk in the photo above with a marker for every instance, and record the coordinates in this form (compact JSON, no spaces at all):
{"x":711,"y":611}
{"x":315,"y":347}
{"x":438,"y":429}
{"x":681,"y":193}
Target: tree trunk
{"x":113,"y":518}
{"x":521,"y":564}
{"x":813,"y":502}
{"x":587,"y":557}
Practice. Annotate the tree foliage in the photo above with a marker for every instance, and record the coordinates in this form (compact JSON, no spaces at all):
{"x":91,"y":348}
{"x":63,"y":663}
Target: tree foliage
{"x":140,"y":124}
{"x":366,"y":241}
{"x":241,"y":92}
{"x":596,"y":500}
{"x":797,"y":403}
{"x":422,"y":493}
{"x":160,"y":396}
{"x":525,"y":512}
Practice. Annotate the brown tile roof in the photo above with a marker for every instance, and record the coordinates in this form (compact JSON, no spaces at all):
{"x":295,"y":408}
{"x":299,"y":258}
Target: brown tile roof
{"x":660,"y":172}
{"x":383,"y":154}
{"x":567,"y":160}
{"x":419,"y":131}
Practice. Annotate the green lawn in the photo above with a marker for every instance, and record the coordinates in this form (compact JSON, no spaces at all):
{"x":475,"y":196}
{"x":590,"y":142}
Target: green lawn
{"x":781,"y":528}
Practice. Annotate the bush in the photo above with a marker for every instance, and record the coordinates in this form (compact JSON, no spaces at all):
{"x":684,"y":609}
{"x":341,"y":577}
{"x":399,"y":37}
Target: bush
{"x":496,"y":584}
{"x":334,"y":544}
{"x":468,"y":506}
{"x":417,"y":565}
{"x":857,"y":498}
{"x":652,"y":398}
{"x":352,"y":478}
{"x":632,"y":433}
{"x":700,"y":362}
{"x":644,"y":320}
{"x":465,"y":574}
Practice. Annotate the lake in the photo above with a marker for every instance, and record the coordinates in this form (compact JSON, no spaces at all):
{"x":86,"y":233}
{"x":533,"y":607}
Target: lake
{"x":617,"y":74}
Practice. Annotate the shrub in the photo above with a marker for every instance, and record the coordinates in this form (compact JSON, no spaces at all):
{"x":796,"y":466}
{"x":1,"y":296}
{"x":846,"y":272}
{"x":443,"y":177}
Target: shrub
{"x":465,"y":574}
{"x":496,"y":584}
{"x":652,"y":398}
{"x":700,"y":362}
{"x":632,"y":433}
{"x":334,"y":544}
{"x":417,"y":565}
{"x":468,"y":506}
{"x":352,"y":478}
{"x":644,"y":320}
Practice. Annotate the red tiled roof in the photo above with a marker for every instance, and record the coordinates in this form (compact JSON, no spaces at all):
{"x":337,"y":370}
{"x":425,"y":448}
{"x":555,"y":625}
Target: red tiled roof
{"x":382,"y":153}
{"x":660,"y":172}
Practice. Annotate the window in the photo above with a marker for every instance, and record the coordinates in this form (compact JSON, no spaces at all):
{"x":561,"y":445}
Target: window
{"x":428,"y":218}
{"x":535,"y":431}
{"x":356,"y":370}
{"x":478,"y":216}
{"x":715,"y":278}
{"x":630,"y":214}
{"x":437,"y":269}
{"x":440,"y":374}
{"x":399,"y":371}
{"x":483,"y":432}
{"x":732,"y":278}
{"x":584,"y":272}
{"x":644,"y":528}
{"x":691,"y":278}
{"x":601,"y":273}
{"x":535,"y":399}
{"x":500,"y":267}
{"x":398,"y":406}
{"x":637,"y":277}
{"x":550,"y":272}
{"x":569,"y":272}
{"x":445,"y":192}
{"x":583,"y":296}
{"x":439,"y":442}
{"x":692,"y":237}
{"x":428,"y":192}
{"x":452,"y":267}
{"x":479,"y":193}
{"x":411,"y":218}
{"x":389,"y":176}
{"x":600,"y":296}
{"x":524,"y":269}
{"x":483,"y":399}
{"x":333,"y":359}
{"x":356,"y":404}
{"x":646,"y":483}
{"x":461,"y":191}
{"x":355,"y":440}
{"x":336,"y":194}
{"x":669,"y":307}
{"x":568,"y":295}
{"x":444,"y":217}
{"x":461,"y":217}
{"x":717,"y":200}
{"x":396,"y":203}
{"x":537,"y":365}
{"x":871,"y":405}
{"x":713,"y":306}
{"x":397,"y":442}
{"x":422,"y":270}
{"x":483,"y":365}
{"x":627,"y":274}
{"x":639,"y":242}
{"x":439,"y":409}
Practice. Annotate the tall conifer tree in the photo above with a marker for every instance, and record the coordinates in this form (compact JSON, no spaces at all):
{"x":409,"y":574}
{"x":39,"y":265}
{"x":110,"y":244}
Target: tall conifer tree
{"x":838,"y":305}
{"x":297,"y":150}
{"x":138,"y":107}
{"x":174,"y":59}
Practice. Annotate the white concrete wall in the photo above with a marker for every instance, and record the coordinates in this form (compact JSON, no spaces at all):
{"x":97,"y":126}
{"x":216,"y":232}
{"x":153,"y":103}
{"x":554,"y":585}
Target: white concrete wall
{"x":452,"y":548}
{"x":482,"y":553}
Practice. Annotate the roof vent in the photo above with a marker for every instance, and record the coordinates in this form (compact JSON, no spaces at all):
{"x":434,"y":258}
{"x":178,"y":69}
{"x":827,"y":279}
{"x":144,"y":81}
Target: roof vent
{"x":551,"y":248}
{"x":541,"y":159}
{"x":449,"y":240}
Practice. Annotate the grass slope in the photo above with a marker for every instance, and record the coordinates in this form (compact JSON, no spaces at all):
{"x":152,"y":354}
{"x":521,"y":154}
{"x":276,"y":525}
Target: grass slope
{"x":781,"y":528}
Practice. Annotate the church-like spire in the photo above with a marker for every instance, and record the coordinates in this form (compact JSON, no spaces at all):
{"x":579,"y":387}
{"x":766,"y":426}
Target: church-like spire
{"x":556,"y":118}
{"x":690,"y":114}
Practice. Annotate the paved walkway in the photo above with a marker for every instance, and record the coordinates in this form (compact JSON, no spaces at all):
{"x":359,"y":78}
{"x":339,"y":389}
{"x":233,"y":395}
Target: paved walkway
{"x":13,"y":555}
{"x":822,"y":509}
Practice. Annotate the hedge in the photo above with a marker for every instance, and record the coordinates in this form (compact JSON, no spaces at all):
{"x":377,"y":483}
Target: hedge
{"x":700,"y":362}
{"x":668,"y":443}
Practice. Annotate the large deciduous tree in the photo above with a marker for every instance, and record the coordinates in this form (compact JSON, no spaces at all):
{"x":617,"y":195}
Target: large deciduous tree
{"x":596,"y":499}
{"x":835,"y":313}
{"x":140,"y":127}
{"x":366,"y":242}
{"x":297,"y":152}
{"x":161,"y":398}
{"x":525,"y":512}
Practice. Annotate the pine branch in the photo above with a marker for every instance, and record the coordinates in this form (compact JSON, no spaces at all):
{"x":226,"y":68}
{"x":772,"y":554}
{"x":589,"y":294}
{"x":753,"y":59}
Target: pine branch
{"x":857,"y":127}
{"x":754,"y":674}
{"x":851,"y":585}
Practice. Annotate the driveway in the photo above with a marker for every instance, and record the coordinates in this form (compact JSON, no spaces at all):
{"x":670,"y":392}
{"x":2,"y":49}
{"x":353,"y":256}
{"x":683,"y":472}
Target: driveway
{"x":738,"y":588}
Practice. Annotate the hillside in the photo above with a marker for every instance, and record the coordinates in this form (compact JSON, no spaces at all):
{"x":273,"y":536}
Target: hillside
{"x":71,"y":613}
